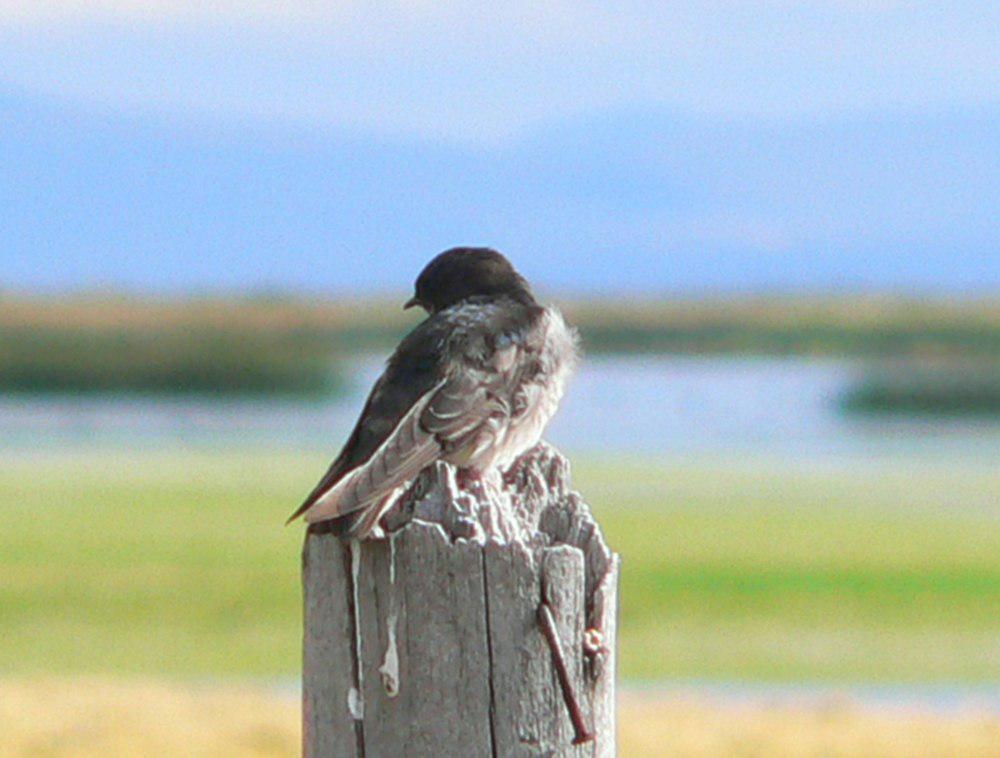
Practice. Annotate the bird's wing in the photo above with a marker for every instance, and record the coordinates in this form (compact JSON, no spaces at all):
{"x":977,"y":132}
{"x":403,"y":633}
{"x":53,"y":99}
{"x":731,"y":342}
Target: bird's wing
{"x":415,"y":367}
{"x":450,"y":416}
{"x":397,"y":460}
{"x":422,"y":406}
{"x":362,"y":442}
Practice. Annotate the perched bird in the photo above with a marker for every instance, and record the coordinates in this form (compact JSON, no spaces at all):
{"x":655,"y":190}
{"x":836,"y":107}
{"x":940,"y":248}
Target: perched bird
{"x":474,"y":384}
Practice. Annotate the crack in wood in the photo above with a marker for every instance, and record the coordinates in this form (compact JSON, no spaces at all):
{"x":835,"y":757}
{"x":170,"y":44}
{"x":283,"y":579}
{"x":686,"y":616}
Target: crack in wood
{"x":489,"y":655}
{"x":352,"y":557}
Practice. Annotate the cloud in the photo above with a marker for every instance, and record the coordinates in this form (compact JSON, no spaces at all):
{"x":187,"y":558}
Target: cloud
{"x":485,"y":74}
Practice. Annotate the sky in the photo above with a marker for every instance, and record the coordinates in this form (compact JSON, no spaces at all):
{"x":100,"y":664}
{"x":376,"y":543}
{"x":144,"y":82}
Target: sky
{"x":326,"y":147}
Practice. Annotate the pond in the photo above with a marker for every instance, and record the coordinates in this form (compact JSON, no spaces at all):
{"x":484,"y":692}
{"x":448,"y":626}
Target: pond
{"x":787,"y":407}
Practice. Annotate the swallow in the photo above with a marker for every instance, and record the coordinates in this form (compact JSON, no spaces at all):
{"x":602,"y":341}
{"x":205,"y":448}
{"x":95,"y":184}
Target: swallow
{"x":474,"y":384}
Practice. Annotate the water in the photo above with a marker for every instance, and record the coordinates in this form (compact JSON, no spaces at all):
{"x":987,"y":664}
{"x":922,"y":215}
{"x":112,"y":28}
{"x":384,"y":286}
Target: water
{"x":650,"y":405}
{"x":942,"y":698}
{"x":938,"y":698}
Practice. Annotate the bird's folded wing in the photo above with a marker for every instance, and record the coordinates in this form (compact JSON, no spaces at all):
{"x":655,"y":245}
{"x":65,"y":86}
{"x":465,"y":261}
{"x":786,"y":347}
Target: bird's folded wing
{"x":406,"y":450}
{"x":449,"y":414}
{"x":463,"y":404}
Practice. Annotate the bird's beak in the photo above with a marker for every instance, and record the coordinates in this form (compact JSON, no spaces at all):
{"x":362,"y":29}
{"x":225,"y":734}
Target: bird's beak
{"x":410,"y":303}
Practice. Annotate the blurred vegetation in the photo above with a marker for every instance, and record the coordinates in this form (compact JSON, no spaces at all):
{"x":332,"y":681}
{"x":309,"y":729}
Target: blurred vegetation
{"x":105,"y":346}
{"x":960,"y":388}
{"x":175,"y":563}
{"x":274,"y":344}
{"x":848,"y":326}
{"x":162,"y":361}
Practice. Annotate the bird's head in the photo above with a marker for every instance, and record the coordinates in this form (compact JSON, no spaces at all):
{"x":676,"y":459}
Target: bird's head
{"x":464,"y":272}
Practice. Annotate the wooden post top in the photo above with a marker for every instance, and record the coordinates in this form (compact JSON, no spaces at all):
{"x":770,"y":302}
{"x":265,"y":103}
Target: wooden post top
{"x":481,"y":622}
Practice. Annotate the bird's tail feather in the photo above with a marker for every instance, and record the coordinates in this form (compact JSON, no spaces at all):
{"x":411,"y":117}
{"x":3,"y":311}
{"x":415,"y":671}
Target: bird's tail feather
{"x":366,"y":492}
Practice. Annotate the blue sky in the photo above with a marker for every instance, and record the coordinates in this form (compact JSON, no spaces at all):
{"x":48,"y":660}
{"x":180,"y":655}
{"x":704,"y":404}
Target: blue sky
{"x":323,"y":147}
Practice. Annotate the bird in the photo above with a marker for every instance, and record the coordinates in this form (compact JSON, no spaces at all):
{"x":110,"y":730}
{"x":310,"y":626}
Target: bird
{"x":474,"y":384}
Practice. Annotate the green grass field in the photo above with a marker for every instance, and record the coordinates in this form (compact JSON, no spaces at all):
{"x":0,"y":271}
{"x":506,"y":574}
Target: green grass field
{"x":177,"y":564}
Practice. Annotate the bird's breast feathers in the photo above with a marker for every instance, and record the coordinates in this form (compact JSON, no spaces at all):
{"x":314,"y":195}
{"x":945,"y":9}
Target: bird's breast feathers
{"x":552,"y":355}
{"x":525,"y":374}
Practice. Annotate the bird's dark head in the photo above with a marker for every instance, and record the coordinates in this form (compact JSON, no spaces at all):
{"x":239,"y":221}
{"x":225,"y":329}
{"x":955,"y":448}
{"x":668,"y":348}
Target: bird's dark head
{"x":464,"y":272}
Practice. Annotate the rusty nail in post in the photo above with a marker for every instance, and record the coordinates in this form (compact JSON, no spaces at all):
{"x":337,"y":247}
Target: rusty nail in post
{"x":548,"y":625}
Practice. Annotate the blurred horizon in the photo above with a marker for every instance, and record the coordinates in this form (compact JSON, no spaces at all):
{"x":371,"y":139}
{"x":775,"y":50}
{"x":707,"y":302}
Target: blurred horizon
{"x":111,"y":203}
{"x":162,"y":148}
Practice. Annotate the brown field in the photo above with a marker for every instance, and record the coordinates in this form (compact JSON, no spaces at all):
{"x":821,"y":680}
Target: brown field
{"x":101,"y":310}
{"x":108,"y":718}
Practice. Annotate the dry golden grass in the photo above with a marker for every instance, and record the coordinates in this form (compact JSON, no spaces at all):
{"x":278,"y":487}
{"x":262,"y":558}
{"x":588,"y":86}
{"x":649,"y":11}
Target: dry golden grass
{"x":93,"y":717}
{"x":102,"y":717}
{"x":860,"y":311}
{"x":657,"y":727}
{"x":106,"y":312}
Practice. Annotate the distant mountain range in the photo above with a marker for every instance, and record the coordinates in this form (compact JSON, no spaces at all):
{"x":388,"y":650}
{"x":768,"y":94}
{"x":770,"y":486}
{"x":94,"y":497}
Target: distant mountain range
{"x":607,"y":202}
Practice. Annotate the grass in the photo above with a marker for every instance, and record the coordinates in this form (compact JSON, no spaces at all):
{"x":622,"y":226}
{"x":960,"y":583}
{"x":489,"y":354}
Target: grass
{"x":811,"y":324}
{"x":163,"y":361}
{"x":100,"y":717}
{"x":956,"y":388}
{"x":768,"y":572}
{"x":176,"y":564}
{"x":105,"y":717}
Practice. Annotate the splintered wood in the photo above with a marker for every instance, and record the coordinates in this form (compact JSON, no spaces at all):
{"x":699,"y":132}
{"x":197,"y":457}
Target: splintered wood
{"x":481,"y":622}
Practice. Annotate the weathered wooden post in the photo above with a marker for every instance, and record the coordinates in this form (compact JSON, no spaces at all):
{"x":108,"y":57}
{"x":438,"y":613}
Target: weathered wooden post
{"x":482,"y":625}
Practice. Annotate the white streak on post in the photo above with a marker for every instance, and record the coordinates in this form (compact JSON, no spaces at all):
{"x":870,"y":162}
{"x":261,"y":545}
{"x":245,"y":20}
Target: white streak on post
{"x":392,"y":560}
{"x":389,"y":670}
{"x":390,"y":663}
